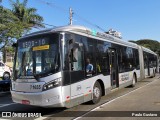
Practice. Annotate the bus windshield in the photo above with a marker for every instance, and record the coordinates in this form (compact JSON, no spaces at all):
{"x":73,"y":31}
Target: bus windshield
{"x":37,"y":56}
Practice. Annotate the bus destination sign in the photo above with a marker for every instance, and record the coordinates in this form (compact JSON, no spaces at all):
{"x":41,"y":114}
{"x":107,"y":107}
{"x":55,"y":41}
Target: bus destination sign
{"x":33,"y":43}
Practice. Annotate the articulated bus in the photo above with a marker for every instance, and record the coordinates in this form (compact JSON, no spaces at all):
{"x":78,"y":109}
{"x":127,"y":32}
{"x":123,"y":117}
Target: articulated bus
{"x":150,"y":60}
{"x":50,"y":66}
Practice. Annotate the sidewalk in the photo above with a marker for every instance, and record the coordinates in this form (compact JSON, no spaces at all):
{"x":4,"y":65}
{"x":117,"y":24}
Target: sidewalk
{"x":143,"y":100}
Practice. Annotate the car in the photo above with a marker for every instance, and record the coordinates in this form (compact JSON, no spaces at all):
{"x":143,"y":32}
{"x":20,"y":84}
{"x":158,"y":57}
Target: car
{"x":5,"y":85}
{"x":5,"y":71}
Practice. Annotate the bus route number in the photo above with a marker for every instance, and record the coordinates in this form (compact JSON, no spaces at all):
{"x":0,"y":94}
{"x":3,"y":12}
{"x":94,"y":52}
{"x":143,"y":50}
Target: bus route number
{"x":35,"y":87}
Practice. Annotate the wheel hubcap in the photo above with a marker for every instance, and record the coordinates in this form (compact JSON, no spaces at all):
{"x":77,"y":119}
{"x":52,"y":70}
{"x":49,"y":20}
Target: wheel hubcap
{"x":96,"y":92}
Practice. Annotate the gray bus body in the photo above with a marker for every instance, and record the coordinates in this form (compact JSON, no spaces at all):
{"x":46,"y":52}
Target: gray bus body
{"x":50,"y":66}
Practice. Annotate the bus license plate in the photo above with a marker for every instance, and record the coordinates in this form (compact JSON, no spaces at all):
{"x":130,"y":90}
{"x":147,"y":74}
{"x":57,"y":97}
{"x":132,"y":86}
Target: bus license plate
{"x":27,"y":102}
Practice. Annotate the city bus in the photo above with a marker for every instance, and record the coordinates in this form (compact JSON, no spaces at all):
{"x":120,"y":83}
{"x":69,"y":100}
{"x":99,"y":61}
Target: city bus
{"x":50,"y":66}
{"x":150,"y":62}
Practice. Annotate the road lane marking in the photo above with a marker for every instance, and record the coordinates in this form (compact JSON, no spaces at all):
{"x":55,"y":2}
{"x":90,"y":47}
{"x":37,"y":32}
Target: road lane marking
{"x":99,"y":107}
{"x":7,"y":105}
{"x":41,"y":118}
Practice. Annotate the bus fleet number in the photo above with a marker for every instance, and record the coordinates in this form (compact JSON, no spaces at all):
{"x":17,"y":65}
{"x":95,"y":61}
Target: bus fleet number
{"x":35,"y":86}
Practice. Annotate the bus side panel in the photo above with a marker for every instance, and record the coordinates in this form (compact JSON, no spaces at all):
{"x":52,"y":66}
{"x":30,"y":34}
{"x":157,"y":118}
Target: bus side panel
{"x":125,"y":79}
{"x":88,"y":88}
{"x":77,"y":92}
{"x":66,"y":96}
{"x":146,"y":72}
{"x":151,"y":71}
{"x":107,"y":82}
{"x":82,"y":91}
{"x":89,"y":84}
{"x":138,"y":74}
{"x":141,"y":62}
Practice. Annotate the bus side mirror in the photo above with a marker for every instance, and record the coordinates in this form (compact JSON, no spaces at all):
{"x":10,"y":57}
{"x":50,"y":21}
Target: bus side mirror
{"x":73,"y":46}
{"x":73,"y":55}
{"x":74,"y":51}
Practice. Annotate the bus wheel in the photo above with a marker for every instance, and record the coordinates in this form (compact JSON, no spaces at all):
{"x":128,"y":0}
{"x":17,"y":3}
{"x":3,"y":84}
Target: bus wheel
{"x":133,"y":81}
{"x":97,"y":93}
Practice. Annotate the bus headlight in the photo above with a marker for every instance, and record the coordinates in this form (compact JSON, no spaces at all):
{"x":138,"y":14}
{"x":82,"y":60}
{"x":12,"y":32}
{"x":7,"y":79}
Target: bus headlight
{"x":52,"y":84}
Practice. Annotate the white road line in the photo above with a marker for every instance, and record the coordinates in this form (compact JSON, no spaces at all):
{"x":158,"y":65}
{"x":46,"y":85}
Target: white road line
{"x":7,"y":105}
{"x":112,"y":101}
{"x":41,"y":118}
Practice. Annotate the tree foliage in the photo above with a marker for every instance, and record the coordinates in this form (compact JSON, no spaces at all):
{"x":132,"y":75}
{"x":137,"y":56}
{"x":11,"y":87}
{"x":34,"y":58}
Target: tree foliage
{"x":10,"y":27}
{"x":17,"y":21}
{"x":148,"y":43}
{"x":26,"y":15}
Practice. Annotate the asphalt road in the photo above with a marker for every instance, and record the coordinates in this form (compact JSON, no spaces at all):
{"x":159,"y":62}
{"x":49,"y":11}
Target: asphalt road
{"x":142,"y":97}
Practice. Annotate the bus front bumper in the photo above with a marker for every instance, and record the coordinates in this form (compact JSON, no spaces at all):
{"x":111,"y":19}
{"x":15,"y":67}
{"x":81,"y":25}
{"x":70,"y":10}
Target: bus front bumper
{"x":49,"y":98}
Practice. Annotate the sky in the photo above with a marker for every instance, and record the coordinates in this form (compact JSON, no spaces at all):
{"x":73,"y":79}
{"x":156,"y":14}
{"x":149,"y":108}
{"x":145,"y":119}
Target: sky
{"x":135,"y":19}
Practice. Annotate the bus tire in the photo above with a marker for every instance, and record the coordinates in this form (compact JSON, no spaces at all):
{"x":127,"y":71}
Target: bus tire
{"x":134,"y":80}
{"x":97,"y":93}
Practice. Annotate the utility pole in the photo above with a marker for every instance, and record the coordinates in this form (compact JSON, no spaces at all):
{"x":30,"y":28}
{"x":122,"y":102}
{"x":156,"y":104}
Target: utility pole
{"x":70,"y":15}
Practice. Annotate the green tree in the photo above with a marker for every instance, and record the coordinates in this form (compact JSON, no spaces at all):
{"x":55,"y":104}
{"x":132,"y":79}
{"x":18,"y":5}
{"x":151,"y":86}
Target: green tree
{"x":7,"y":49}
{"x":17,"y":21}
{"x":10,"y":26}
{"x":28,"y":16}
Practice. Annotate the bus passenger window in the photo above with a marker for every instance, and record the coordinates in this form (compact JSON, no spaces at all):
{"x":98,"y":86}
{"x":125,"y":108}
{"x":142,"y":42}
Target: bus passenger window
{"x":89,"y":68}
{"x":98,"y":67}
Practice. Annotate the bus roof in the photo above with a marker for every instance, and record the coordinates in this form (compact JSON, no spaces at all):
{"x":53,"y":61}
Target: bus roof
{"x":86,"y":32}
{"x":148,"y":50}
{"x":89,"y":33}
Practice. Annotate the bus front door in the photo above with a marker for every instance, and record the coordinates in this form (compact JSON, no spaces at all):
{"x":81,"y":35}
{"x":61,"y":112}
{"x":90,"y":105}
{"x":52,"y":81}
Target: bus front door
{"x":113,"y":68}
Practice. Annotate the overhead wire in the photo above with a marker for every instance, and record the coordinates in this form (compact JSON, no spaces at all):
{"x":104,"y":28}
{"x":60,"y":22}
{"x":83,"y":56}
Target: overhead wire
{"x":90,"y":23}
{"x":65,"y":10}
{"x":53,"y":5}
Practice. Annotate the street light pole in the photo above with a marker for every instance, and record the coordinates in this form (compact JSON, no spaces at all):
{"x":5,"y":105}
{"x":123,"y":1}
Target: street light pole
{"x":71,"y":16}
